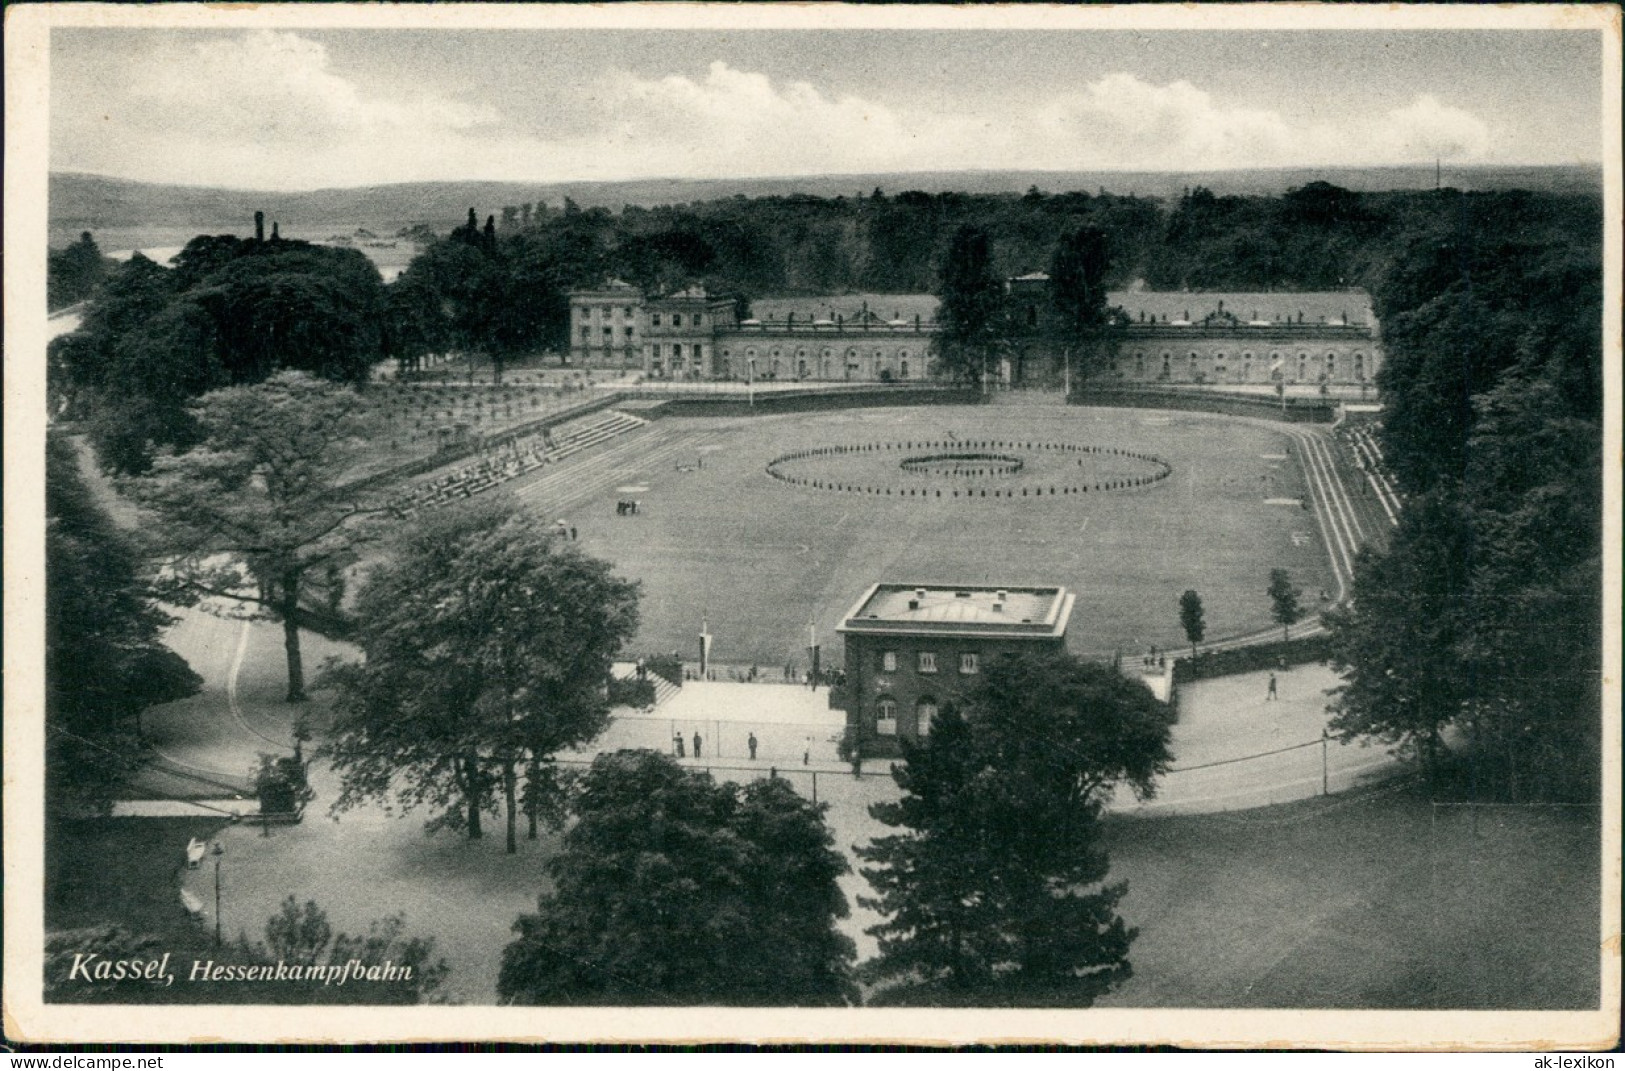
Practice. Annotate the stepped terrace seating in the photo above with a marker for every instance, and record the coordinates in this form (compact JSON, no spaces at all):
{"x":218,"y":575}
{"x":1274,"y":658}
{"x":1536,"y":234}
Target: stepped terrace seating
{"x":515,"y":459}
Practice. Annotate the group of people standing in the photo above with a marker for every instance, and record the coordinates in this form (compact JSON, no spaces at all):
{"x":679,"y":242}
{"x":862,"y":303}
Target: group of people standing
{"x":626,"y":507}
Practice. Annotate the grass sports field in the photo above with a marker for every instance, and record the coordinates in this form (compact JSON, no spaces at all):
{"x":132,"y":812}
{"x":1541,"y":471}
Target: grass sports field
{"x":716,"y":537}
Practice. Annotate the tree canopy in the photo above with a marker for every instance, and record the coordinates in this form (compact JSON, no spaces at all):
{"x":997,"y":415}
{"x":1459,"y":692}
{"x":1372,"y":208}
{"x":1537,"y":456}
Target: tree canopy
{"x":995,"y":890}
{"x":1192,"y":618}
{"x":104,"y":661}
{"x":969,"y":318}
{"x":1485,"y":613}
{"x":257,"y":504}
{"x":231,"y":312}
{"x":674,"y":889}
{"x":487,"y":646}
{"x":73,"y":273}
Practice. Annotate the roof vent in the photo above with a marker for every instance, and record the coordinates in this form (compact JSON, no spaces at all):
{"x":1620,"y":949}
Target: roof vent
{"x":1002,"y":596}
{"x":961,"y":594}
{"x":919,"y":593}
{"x":914,"y":604}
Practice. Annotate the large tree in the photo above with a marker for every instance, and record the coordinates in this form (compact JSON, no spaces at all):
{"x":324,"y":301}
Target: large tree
{"x":1397,"y":640}
{"x":1077,"y":280}
{"x":994,"y":891}
{"x":1192,"y":618}
{"x":74,"y":273}
{"x":258,"y":504}
{"x":487,"y":646}
{"x":673,"y":889}
{"x":1284,"y":605}
{"x":104,"y":662}
{"x":970,"y":320}
{"x":231,"y":312}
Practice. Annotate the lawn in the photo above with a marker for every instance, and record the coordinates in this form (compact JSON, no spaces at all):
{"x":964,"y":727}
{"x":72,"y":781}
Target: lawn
{"x":758,"y":558}
{"x":1380,"y":900}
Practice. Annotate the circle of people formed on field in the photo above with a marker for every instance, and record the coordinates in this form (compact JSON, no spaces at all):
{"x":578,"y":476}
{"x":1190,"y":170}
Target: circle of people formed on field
{"x":981,"y":468}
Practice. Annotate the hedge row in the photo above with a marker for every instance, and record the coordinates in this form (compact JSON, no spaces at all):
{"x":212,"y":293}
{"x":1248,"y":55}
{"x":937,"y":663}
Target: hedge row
{"x":1276,"y":655}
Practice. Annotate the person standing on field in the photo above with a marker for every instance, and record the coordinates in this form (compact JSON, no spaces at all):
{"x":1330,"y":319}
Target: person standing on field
{"x":751,"y":743}
{"x":1271,"y":694}
{"x":696,"y":745}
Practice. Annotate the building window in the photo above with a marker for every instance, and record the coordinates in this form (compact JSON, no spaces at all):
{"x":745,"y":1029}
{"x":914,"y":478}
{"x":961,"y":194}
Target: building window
{"x":586,"y":334}
{"x":886,"y":717}
{"x":925,"y":712}
{"x":888,"y":662}
{"x":582,"y":314}
{"x":968,"y":663}
{"x":902,"y":369}
{"x":699,"y":351}
{"x":676,"y":350}
{"x":654,"y":319}
{"x":609,"y":333}
{"x":699,"y":318}
{"x":928,"y":662}
{"x":629,"y":330}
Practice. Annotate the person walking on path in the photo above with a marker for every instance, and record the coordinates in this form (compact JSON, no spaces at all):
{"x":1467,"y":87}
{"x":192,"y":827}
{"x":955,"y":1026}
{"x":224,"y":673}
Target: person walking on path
{"x":1270,"y":695}
{"x":696,"y":745}
{"x":751,"y":743}
{"x":677,"y":743}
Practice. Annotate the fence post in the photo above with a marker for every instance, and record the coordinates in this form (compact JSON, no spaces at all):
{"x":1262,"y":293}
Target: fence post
{"x":1325,"y":789}
{"x":815,"y":786}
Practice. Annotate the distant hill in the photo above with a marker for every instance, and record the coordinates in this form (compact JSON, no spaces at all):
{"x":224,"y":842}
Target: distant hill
{"x":94,"y":202}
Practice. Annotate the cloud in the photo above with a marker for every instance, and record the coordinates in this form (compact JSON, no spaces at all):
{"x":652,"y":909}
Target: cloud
{"x":1121,"y":121}
{"x":263,"y":109}
{"x":272,"y":110}
{"x":742,"y":122}
{"x":1426,"y":128}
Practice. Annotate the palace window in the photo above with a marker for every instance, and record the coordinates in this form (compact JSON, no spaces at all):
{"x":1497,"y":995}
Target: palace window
{"x":1359,"y":366}
{"x":586,"y":334}
{"x":902,"y":370}
{"x":609,"y":333}
{"x":925,"y":712}
{"x":699,"y":318}
{"x":888,"y":661}
{"x":886,"y":716}
{"x":677,"y":319}
{"x":654,"y":319}
{"x":928,"y":662}
{"x":677,"y":350}
{"x":968,"y":663}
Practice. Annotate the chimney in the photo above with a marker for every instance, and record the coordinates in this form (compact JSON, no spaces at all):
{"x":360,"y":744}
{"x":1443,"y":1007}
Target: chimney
{"x":1000,"y":598}
{"x":259,"y":226}
{"x":919,"y":593}
{"x":275,"y":236}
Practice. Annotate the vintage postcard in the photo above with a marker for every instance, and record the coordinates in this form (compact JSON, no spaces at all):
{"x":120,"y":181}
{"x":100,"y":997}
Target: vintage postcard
{"x":813,"y":523}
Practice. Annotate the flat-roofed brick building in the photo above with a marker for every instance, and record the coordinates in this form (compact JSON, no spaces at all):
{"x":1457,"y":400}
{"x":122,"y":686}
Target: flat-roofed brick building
{"x":911,"y":648}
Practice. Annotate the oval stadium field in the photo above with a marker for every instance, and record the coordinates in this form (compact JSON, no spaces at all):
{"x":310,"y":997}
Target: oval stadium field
{"x":757,"y":557}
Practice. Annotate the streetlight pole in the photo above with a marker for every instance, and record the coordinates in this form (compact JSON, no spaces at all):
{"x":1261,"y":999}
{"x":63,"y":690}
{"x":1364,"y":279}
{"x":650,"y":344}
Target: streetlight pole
{"x":750,"y":382}
{"x":218,"y":852}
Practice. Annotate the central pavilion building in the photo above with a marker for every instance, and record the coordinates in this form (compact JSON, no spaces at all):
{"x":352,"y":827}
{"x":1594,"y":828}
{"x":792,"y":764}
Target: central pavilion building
{"x":911,"y":648}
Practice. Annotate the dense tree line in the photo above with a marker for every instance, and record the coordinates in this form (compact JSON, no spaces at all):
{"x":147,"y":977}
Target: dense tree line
{"x":230,"y":312}
{"x":73,"y":273}
{"x":1485,"y":614}
{"x":675,"y":889}
{"x":994,"y":886}
{"x":104,"y":661}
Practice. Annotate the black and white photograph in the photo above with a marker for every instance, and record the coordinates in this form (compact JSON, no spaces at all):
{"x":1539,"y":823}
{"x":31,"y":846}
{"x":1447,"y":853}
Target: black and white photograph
{"x":816,"y":523}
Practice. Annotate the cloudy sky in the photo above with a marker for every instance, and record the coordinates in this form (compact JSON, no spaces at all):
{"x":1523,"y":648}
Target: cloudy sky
{"x":296,"y":108}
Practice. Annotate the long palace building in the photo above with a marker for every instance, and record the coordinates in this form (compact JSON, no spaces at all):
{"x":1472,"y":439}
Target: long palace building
{"x":1167,"y":337}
